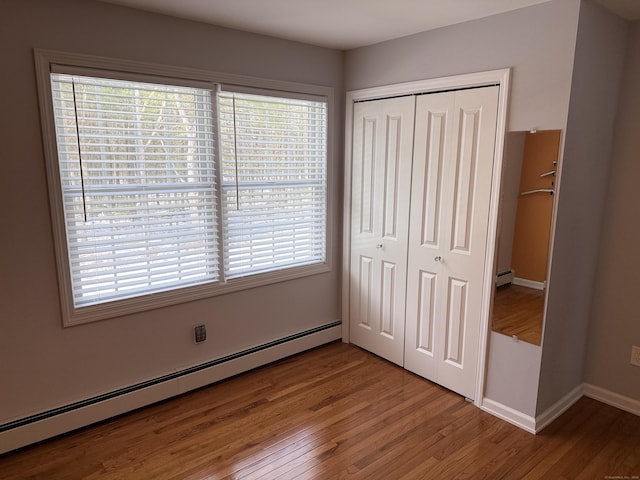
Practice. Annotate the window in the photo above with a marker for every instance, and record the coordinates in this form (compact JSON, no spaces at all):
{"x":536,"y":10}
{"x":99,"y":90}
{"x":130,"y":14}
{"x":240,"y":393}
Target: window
{"x":137,"y":172}
{"x":273,"y":182}
{"x":165,"y":190}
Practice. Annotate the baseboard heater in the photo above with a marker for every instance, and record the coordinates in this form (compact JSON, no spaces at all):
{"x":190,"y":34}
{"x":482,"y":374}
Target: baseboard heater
{"x":504,"y":278}
{"x":41,"y":426}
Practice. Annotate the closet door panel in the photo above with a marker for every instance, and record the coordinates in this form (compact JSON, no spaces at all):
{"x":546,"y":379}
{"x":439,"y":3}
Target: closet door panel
{"x":430,"y":207}
{"x":475,"y":119}
{"x":456,"y":321}
{"x":390,"y":319}
{"x":392,"y":177}
{"x":465,"y":168}
{"x":365,"y":298}
{"x":455,"y":257}
{"x":382,"y":154}
{"x":430,"y":175}
{"x":425,"y":319}
{"x":365,"y":172}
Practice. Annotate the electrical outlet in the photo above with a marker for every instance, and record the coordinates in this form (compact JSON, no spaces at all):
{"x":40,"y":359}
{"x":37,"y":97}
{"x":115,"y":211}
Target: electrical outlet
{"x":200,"y":333}
{"x":635,"y":356}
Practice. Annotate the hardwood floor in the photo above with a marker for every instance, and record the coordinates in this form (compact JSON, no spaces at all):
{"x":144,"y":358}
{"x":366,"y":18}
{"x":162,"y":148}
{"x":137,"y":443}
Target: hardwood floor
{"x":335,"y":412}
{"x":519,"y":311}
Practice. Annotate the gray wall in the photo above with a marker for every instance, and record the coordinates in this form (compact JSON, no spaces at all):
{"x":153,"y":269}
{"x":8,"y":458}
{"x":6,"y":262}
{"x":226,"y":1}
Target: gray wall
{"x":615,"y":324}
{"x":538,"y":42}
{"x":597,"y":74}
{"x":42,"y":365}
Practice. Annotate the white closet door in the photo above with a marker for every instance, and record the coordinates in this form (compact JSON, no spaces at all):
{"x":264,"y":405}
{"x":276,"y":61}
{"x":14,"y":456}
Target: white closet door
{"x":450,"y":199}
{"x":382,"y":153}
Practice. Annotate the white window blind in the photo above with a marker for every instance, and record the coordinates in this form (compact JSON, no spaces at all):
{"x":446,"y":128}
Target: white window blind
{"x":274,"y":182}
{"x":136,"y":163}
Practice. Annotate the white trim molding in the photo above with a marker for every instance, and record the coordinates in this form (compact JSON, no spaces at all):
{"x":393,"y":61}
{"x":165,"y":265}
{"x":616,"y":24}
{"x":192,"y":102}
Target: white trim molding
{"x":613,"y":399}
{"x":523,"y":282}
{"x":558,"y":408}
{"x":508,"y":414}
{"x":537,"y":424}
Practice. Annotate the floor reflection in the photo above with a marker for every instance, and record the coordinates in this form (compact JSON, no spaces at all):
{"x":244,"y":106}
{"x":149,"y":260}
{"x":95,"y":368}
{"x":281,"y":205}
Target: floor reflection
{"x":519,"y":311}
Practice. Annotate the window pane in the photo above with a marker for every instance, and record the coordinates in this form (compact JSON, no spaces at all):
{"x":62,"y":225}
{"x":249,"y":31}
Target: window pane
{"x":136,"y":164}
{"x":274,"y":182}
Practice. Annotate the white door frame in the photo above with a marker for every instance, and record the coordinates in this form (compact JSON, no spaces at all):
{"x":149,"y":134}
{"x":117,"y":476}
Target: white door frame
{"x":494,"y":77}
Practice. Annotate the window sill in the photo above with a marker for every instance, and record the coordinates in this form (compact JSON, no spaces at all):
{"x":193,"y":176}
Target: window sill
{"x":79,"y":316}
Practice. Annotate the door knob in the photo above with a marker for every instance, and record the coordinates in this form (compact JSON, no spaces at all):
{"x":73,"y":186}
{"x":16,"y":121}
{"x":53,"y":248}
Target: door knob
{"x":438,"y":259}
{"x":379,"y":245}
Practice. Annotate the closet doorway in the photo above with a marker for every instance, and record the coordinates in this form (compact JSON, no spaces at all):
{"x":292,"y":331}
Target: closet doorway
{"x":421,"y":231}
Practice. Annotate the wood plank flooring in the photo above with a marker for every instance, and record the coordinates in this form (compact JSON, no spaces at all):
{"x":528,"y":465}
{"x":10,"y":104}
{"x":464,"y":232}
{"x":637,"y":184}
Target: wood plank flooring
{"x":335,"y":412}
{"x":518,"y":311}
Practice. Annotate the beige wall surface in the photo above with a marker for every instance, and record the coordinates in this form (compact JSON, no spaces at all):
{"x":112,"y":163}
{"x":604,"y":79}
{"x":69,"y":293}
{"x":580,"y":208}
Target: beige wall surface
{"x":42,"y":365}
{"x":615,"y":320}
{"x":538,"y":42}
{"x":600,"y":51}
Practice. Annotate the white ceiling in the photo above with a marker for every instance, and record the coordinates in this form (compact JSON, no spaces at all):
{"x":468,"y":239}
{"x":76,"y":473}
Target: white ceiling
{"x":344,"y":24}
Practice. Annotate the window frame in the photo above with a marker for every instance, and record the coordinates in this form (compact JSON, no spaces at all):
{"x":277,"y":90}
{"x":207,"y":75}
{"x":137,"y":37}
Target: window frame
{"x":45,"y":63}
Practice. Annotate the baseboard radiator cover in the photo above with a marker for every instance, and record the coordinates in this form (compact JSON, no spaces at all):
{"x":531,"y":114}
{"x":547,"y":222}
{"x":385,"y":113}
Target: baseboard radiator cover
{"x":44,"y":425}
{"x":504,"y":278}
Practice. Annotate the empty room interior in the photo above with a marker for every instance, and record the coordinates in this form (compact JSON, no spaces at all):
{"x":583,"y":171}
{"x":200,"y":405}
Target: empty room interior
{"x":319,"y":239}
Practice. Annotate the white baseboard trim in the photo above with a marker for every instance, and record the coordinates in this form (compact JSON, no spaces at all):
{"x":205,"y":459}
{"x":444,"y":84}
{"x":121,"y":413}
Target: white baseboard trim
{"x":558,"y":408}
{"x":509,"y":414}
{"x":627,"y":404}
{"x":523,"y":282}
{"x":66,"y":421}
{"x":535,"y":425}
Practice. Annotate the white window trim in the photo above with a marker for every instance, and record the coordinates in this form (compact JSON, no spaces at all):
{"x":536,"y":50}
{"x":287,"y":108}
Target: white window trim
{"x":44,"y":61}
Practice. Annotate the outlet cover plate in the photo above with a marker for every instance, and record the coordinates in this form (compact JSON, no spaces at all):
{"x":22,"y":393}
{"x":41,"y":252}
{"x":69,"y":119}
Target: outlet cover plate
{"x":200,"y":333}
{"x":635,"y":356}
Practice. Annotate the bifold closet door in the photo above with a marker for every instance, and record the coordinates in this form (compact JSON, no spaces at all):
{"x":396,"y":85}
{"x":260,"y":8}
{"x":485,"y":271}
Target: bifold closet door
{"x":381,"y":183}
{"x":450,"y":201}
